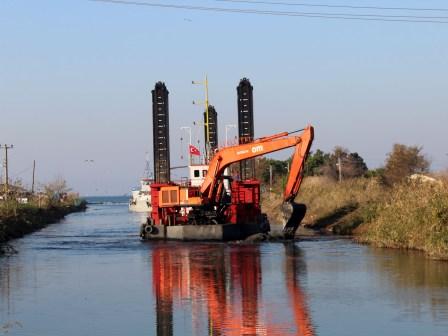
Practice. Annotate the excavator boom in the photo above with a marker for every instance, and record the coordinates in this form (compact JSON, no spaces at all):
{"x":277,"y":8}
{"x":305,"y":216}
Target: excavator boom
{"x":226,"y":156}
{"x":297,"y":165}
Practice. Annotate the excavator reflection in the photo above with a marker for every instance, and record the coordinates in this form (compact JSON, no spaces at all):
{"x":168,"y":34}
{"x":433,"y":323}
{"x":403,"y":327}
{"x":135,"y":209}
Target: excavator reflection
{"x":222,"y":286}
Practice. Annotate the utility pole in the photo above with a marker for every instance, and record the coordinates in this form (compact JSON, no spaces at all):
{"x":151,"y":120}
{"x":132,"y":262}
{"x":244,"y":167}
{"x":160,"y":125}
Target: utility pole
{"x":6,"y":147}
{"x":339,"y":164}
{"x":206,"y":110}
{"x":206,"y":104}
{"x":270,"y":179}
{"x":34,"y":172}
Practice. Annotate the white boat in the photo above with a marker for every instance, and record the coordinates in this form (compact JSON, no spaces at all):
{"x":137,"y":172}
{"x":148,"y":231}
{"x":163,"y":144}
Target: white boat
{"x":140,"y":200}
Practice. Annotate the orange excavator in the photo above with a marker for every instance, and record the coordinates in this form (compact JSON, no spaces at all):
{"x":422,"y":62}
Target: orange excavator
{"x":234,"y":202}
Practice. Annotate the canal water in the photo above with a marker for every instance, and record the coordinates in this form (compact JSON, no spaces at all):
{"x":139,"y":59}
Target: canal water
{"x":91,"y":275}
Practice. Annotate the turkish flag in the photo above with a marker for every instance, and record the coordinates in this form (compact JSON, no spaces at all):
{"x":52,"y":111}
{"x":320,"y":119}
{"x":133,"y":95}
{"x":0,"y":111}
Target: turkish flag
{"x":194,"y":150}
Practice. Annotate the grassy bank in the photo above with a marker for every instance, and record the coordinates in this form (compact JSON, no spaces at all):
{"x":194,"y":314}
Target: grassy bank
{"x":332,"y":208}
{"x":339,"y":208}
{"x":411,"y":215}
{"x":17,"y":220}
{"x":415,"y":216}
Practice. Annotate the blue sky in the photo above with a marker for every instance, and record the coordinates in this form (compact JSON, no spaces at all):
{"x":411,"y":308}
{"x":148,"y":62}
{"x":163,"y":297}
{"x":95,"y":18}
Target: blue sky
{"x":76,"y":76}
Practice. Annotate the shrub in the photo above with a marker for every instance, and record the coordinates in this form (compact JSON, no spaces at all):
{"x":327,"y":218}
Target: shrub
{"x":402,"y":162}
{"x":414,"y":216}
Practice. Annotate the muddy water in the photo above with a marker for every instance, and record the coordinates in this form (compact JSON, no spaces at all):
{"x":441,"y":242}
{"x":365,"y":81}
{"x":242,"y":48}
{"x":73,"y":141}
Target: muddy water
{"x":91,"y":275}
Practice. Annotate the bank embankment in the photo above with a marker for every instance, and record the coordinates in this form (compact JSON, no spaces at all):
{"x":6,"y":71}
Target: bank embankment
{"x":17,"y":220}
{"x":412,"y":215}
{"x":332,"y":208}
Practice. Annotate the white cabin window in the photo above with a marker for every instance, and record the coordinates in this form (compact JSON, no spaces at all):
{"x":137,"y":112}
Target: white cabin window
{"x":196,"y":173}
{"x":204,"y":173}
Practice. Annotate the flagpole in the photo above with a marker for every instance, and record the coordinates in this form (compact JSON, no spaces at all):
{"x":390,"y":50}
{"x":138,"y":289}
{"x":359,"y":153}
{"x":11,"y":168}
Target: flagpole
{"x":206,"y":123}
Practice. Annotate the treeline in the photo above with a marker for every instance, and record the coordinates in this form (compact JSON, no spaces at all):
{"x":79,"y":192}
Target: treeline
{"x":341,"y":164}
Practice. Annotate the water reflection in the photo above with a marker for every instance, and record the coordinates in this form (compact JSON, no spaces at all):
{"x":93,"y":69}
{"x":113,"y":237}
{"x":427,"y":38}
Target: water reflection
{"x":414,"y":280}
{"x":224,"y":286}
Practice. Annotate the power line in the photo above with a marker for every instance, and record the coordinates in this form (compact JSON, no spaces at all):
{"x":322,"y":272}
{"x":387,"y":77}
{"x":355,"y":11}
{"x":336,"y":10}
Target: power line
{"x":295,"y":4}
{"x":340,"y":16}
{"x":352,"y":14}
{"x":20,"y":173}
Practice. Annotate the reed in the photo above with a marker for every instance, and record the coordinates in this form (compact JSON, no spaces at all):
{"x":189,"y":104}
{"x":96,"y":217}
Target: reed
{"x":338,"y":206}
{"x":410,"y":215}
{"x":414,"y":216}
{"x":332,"y":207}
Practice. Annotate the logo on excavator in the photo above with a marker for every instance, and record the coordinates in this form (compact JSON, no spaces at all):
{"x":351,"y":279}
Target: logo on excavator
{"x":257,"y":149}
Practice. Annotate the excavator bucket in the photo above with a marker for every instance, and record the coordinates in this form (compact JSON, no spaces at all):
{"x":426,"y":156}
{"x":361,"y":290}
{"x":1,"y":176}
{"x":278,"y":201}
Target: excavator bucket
{"x":293,"y":214}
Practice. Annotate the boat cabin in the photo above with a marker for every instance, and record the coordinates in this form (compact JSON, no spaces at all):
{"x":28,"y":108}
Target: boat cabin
{"x":197,"y":174}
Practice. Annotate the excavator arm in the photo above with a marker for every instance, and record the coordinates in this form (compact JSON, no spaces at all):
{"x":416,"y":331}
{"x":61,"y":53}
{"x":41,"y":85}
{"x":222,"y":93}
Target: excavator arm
{"x":226,"y":156}
{"x":298,"y":164}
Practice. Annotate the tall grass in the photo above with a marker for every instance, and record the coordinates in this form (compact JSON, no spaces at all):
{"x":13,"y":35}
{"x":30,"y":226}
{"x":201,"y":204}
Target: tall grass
{"x":332,"y":203}
{"x":414,"y":216}
{"x":331,"y":206}
{"x":411,"y":215}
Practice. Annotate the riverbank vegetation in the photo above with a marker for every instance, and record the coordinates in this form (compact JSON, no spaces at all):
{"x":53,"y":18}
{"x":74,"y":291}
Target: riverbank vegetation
{"x":413,"y":215}
{"x":19,"y":217}
{"x":394,"y":206}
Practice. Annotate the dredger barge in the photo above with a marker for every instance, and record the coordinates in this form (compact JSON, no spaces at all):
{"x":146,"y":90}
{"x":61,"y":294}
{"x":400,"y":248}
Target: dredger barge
{"x":213,"y":205}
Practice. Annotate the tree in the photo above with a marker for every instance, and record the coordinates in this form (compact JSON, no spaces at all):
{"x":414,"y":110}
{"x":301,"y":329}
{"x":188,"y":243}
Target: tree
{"x":279,"y":171}
{"x":279,"y":168}
{"x":56,"y":190}
{"x":315,"y":162}
{"x":352,"y":164}
{"x":404,"y":161}
{"x":377,"y":173}
{"x":261,"y":166}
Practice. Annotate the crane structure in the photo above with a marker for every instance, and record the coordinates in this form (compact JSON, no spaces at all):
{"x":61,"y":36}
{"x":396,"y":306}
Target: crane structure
{"x":236,"y":201}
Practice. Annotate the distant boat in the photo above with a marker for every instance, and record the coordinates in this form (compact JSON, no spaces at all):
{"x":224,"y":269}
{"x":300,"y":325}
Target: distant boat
{"x":140,"y":200}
